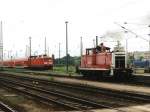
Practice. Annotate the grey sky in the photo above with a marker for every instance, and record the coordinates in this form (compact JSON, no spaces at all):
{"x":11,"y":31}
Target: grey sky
{"x":87,"y":18}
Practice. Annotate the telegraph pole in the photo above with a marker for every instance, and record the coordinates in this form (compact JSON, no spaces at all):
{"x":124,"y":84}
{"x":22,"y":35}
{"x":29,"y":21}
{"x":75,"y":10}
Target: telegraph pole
{"x":66,"y":46}
{"x":48,"y":51}
{"x":30,"y":45}
{"x":45,"y":46}
{"x":149,"y":50}
{"x":59,"y":53}
{"x":81,"y":46}
{"x":149,"y":41}
{"x":1,"y":46}
{"x":30,"y":49}
{"x":126,"y":41}
{"x":96,"y":41}
{"x":27,"y":51}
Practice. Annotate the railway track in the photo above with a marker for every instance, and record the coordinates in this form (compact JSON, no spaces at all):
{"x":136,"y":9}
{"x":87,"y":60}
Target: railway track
{"x":71,"y":102}
{"x":135,"y":80}
{"x":113,"y":93}
{"x":5,"y":108}
{"x":78,"y":104}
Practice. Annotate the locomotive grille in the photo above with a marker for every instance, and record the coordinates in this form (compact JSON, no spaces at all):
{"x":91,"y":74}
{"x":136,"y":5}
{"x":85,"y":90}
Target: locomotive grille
{"x":120,"y":62}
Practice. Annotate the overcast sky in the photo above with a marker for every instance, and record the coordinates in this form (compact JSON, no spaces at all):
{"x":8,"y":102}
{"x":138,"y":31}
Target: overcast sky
{"x":87,"y":18}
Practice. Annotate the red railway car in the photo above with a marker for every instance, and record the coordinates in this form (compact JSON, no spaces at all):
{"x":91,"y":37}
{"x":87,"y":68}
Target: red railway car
{"x":40,"y":62}
{"x":103,"y":64}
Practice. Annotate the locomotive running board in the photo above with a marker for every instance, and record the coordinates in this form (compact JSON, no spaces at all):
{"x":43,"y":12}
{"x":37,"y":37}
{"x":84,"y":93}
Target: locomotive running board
{"x":98,"y":69}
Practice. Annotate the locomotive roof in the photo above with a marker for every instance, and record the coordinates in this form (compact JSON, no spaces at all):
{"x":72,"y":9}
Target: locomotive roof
{"x":107,"y":48}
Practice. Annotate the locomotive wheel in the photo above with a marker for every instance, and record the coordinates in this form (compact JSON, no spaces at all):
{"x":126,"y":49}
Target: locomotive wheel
{"x":122,"y":76}
{"x":94,"y":75}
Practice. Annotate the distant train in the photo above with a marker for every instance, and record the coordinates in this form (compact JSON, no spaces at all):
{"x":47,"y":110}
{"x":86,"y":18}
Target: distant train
{"x":40,"y":62}
{"x":99,"y":64}
{"x":142,"y":64}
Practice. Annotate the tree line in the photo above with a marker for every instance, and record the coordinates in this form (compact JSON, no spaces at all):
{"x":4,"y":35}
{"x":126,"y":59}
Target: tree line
{"x":72,"y":60}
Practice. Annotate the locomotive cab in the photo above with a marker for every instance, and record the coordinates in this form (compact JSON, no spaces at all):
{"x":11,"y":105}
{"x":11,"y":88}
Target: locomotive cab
{"x":120,"y":68}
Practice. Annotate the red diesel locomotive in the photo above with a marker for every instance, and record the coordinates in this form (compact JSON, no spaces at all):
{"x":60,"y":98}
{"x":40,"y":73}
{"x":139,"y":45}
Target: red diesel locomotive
{"x":99,"y":63}
{"x":40,"y":62}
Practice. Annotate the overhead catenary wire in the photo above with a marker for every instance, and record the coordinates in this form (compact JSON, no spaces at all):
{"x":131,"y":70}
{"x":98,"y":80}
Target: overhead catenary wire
{"x":138,"y":24}
{"x":134,"y":33}
{"x":131,"y":31}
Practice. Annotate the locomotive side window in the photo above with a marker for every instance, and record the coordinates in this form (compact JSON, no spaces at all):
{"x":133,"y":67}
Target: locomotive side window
{"x":90,"y":51}
{"x":87,"y":52}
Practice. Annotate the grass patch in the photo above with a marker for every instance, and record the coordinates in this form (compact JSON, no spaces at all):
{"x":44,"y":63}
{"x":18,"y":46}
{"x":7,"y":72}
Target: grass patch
{"x":62,"y":69}
{"x":56,"y":69}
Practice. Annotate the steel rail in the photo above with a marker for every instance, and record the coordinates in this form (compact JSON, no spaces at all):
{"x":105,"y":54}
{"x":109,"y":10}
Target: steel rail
{"x":81,"y":104}
{"x":130,"y":82}
{"x":112,"y":93}
{"x":63,"y":95}
{"x":6,"y":108}
{"x":85,"y":101}
{"x":39,"y":97}
{"x":58,"y":93}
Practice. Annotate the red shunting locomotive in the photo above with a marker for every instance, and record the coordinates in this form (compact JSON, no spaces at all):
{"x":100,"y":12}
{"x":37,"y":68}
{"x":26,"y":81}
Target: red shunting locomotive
{"x":100,"y":62}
